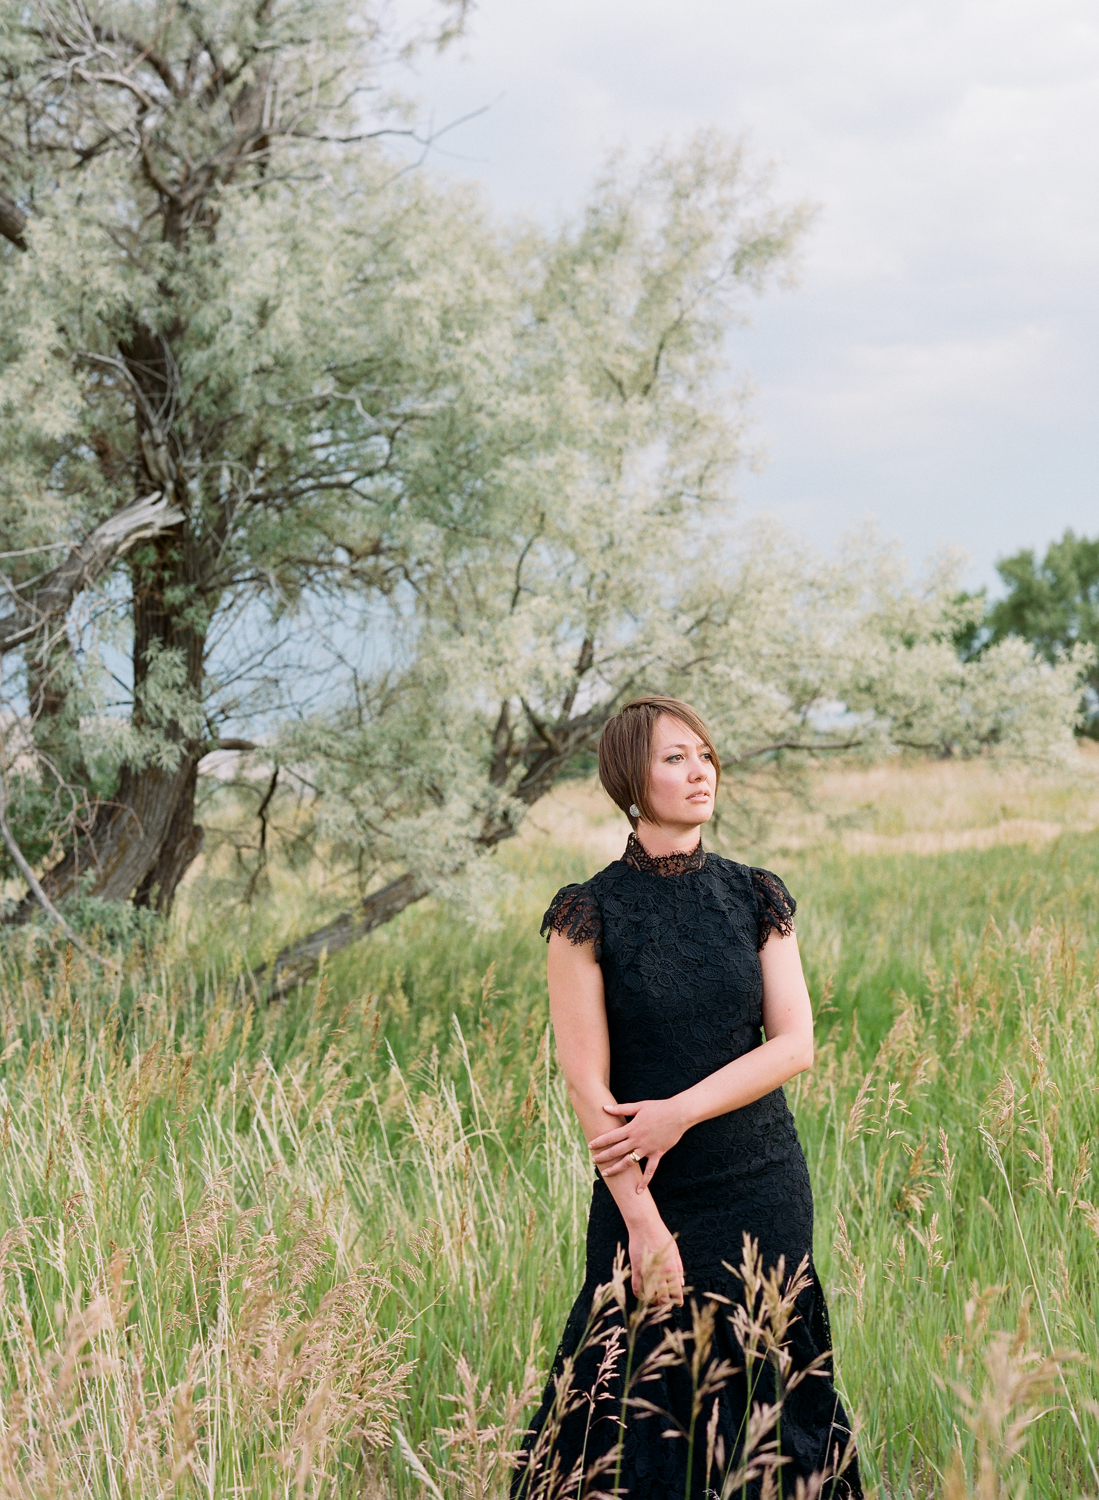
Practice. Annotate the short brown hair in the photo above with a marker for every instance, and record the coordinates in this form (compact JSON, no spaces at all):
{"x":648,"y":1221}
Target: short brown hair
{"x":626,"y":750}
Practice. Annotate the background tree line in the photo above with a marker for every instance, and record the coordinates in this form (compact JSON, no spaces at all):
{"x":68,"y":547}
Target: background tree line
{"x":1053,"y":604}
{"x":307,"y":458}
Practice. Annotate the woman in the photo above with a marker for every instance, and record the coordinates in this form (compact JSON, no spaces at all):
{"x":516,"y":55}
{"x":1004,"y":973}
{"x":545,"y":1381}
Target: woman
{"x":662,"y":970}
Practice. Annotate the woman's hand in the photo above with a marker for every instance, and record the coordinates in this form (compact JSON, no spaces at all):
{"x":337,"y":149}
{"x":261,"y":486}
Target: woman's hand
{"x":656,"y":1125}
{"x":655,"y":1264}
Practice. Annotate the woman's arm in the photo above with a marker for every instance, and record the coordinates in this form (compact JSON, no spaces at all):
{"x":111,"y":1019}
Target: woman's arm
{"x":657,"y":1124}
{"x":579,"y":1015}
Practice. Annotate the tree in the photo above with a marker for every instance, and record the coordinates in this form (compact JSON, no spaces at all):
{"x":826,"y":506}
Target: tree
{"x":327,"y":384}
{"x":1053,"y":604}
{"x":202,"y":235}
{"x":433,"y":497}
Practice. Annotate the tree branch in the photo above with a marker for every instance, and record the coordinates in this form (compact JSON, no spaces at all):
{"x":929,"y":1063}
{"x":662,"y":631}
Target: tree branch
{"x":294,"y":963}
{"x":799,"y":745}
{"x":21,"y":864}
{"x":85,"y":565}
{"x":13,"y":221}
{"x":141,"y":53}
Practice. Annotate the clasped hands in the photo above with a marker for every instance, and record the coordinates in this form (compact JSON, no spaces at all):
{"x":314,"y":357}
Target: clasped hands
{"x":651,"y":1128}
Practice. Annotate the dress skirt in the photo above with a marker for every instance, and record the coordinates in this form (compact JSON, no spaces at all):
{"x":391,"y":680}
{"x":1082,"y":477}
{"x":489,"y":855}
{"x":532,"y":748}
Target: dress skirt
{"x":658,"y":1406}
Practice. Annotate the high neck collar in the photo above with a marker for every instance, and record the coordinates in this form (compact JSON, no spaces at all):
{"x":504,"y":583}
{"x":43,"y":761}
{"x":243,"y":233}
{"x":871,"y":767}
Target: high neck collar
{"x":663,"y":864}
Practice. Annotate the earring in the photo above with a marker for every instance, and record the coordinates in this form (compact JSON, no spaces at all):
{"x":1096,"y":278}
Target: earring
{"x":635,"y":811}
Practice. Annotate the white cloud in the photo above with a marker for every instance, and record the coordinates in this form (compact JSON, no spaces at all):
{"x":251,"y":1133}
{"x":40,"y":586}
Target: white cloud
{"x":938,"y":367}
{"x":890,"y":394}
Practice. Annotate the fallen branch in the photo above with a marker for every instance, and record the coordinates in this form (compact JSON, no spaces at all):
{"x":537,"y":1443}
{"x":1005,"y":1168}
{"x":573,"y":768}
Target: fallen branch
{"x":85,"y":565}
{"x":545,"y":752}
{"x":294,"y":963}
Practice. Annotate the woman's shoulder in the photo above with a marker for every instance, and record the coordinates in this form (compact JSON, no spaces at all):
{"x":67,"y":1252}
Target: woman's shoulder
{"x":732,"y":875}
{"x":774,"y":905}
{"x":770,"y":888}
{"x":577,"y":910}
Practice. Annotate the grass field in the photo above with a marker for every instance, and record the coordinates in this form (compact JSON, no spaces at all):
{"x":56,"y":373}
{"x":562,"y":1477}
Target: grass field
{"x":259,"y":1251}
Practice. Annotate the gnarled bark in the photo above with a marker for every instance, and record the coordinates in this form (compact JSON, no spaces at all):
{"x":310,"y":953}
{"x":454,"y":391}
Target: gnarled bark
{"x":124,"y":843}
{"x":179,"y":846}
{"x":143,"y":839}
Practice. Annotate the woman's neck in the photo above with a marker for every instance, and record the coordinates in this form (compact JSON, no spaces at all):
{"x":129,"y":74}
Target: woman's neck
{"x":660,"y":840}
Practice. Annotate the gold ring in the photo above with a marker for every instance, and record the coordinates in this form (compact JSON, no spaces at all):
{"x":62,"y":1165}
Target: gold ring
{"x":634,"y":1157}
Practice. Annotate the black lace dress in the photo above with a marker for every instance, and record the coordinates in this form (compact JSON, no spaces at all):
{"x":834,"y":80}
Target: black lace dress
{"x":678,"y":941}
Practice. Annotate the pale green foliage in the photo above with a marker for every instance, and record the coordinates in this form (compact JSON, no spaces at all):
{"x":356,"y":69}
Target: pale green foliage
{"x":325,"y":327}
{"x":453,"y":491}
{"x":612,"y":569}
{"x":782,"y":651}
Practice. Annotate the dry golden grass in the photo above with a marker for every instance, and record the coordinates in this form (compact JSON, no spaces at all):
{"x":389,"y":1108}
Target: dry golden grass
{"x":275,"y":1251}
{"x":911,"y":806}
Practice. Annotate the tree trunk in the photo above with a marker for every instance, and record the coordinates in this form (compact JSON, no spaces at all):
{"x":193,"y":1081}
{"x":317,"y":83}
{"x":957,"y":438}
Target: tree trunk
{"x":143,"y":840}
{"x":126,"y":841}
{"x":13,"y":221}
{"x":168,"y":609}
{"x":180,"y":845}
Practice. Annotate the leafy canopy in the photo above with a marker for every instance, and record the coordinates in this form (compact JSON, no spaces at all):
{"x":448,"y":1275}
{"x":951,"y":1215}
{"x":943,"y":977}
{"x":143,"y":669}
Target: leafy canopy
{"x":445,"y":492}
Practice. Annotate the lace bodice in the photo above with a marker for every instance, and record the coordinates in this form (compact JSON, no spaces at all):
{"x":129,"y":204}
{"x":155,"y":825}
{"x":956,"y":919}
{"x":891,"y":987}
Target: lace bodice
{"x":678,"y":941}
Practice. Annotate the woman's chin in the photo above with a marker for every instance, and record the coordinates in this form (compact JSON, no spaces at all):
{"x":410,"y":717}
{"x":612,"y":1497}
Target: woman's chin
{"x":699,"y":812}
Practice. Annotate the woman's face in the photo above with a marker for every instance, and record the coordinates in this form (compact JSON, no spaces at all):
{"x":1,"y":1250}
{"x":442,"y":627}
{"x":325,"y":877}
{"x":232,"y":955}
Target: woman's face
{"x":682,"y":780}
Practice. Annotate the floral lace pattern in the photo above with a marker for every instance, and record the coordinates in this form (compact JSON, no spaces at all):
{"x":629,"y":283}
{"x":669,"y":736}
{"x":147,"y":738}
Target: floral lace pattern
{"x":663,"y":864}
{"x":683,"y":990}
{"x":775,"y":905}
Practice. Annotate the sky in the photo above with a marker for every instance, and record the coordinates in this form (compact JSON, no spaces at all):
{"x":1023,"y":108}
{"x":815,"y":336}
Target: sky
{"x":935,"y":372}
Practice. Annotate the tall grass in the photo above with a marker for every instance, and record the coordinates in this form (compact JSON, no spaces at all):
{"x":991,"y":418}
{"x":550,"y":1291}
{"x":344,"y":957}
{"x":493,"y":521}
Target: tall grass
{"x":326,"y":1247}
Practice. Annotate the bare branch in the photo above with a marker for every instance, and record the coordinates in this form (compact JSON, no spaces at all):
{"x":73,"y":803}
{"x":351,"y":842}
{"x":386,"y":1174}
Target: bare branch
{"x":141,"y":53}
{"x":261,"y":859}
{"x":85,"y":565}
{"x":118,"y":80}
{"x":813,"y":748}
{"x":21,"y":863}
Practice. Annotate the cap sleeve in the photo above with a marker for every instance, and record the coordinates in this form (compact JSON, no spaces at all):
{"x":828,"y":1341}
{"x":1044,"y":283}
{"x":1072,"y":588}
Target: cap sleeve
{"x":775,"y":905}
{"x":574,"y":912}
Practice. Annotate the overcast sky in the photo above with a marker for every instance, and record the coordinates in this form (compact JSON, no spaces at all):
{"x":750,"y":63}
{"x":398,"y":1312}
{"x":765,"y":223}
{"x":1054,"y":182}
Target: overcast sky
{"x":937,"y":369}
